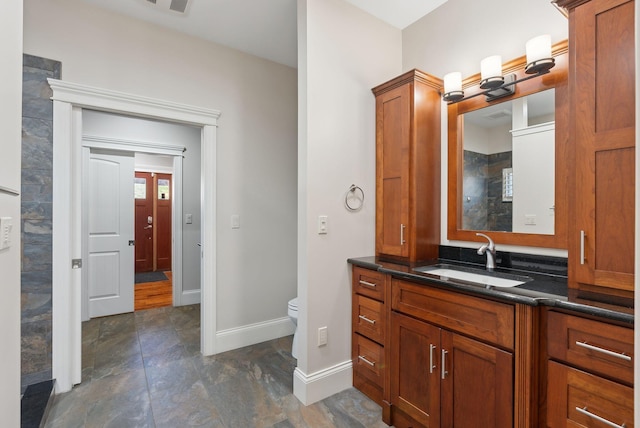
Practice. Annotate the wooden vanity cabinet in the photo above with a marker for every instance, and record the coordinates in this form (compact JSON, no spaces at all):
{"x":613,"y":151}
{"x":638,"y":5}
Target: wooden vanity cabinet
{"x":602,"y":123}
{"x":452,"y":360}
{"x":369,"y":333}
{"x":589,"y":372}
{"x":408,"y":167}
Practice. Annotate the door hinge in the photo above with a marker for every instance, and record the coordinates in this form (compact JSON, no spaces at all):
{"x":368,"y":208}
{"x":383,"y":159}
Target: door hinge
{"x":132,"y":243}
{"x":76,"y":263}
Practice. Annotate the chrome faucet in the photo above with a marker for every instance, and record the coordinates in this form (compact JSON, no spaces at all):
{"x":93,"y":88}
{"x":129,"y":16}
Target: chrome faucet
{"x":490,"y":250}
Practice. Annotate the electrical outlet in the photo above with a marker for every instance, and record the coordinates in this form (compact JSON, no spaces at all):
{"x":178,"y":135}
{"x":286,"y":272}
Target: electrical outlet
{"x":322,"y":336}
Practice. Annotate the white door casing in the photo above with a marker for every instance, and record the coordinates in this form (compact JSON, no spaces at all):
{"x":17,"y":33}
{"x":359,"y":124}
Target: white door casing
{"x":68,"y":101}
{"x":110,"y":203}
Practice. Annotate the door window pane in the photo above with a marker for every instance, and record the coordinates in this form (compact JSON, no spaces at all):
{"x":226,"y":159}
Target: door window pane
{"x":163,"y":189}
{"x":140,"y":188}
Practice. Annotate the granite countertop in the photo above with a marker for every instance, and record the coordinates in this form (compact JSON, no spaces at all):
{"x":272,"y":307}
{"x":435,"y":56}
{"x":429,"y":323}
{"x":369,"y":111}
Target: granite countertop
{"x":546,"y":286}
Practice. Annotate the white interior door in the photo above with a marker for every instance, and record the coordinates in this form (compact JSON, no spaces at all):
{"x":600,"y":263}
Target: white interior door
{"x":110,"y":205}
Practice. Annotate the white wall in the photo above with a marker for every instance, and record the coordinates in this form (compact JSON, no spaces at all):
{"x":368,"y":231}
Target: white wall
{"x":256,"y":137}
{"x":533,"y":189}
{"x":458,"y":35}
{"x":10,"y":136}
{"x":487,"y":140}
{"x":101,"y":124}
{"x":343,"y":53}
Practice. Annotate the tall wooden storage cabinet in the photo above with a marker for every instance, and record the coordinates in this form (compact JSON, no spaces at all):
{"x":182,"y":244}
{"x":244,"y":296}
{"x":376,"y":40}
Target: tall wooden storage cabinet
{"x":408,"y":167}
{"x":602,"y":86}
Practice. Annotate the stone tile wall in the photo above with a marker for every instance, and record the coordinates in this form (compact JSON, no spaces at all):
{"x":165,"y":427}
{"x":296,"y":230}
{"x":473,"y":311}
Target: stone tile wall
{"x":499,"y":213}
{"x":483,"y":208}
{"x":37,"y":192}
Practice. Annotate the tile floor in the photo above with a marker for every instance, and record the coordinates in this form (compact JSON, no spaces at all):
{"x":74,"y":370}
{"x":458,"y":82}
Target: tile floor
{"x":144,"y":369}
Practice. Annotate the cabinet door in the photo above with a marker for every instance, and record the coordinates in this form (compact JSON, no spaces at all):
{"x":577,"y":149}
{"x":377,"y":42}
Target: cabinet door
{"x":605,"y":143}
{"x":477,"y":383}
{"x":415,"y":379}
{"x":393,"y":115}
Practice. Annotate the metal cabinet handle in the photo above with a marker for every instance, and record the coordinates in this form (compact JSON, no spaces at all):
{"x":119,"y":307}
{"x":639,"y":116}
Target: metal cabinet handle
{"x":432,"y":366}
{"x":582,"y":236}
{"x":366,"y":361}
{"x":367,"y":283}
{"x":604,"y":351}
{"x":402,"y":241}
{"x":370,"y":321}
{"x":584,"y":411}
{"x":444,"y":371}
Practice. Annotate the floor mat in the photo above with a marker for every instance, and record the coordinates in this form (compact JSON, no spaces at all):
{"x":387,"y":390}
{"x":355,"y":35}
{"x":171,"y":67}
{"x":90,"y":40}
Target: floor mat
{"x":150,"y":277}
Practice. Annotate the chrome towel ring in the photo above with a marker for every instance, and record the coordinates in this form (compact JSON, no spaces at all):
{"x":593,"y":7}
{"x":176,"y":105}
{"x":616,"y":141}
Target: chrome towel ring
{"x":354,"y":198}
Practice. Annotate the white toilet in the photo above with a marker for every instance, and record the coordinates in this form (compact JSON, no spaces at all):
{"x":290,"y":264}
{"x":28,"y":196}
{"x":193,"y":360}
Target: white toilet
{"x":292,"y":311}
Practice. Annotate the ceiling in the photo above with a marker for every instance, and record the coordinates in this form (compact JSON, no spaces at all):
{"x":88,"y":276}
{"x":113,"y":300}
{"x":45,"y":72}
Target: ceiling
{"x":264,"y":28}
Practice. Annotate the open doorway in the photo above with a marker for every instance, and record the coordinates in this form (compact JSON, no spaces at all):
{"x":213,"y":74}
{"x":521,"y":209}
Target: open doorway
{"x":165,"y":221}
{"x":69,"y":102}
{"x":153,"y":192}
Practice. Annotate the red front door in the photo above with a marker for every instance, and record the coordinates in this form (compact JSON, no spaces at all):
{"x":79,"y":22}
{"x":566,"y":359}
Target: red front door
{"x":163,"y":222}
{"x":153,"y":221}
{"x":144,"y":221}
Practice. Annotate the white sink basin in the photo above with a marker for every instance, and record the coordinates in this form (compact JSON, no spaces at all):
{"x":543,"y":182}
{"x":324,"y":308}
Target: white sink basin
{"x":477,"y":278}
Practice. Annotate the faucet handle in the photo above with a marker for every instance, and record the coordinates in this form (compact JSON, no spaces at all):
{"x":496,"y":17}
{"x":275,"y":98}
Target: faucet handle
{"x":491,"y":246}
{"x":482,"y":249}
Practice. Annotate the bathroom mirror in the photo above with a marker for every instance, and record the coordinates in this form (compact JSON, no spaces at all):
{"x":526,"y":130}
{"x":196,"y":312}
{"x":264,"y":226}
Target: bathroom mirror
{"x":508,"y":178}
{"x":508,"y":171}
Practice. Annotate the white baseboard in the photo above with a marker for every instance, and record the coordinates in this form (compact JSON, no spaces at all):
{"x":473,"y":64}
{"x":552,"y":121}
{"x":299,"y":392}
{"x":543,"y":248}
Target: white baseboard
{"x":189,"y":297}
{"x":251,"y":334}
{"x":322,"y":384}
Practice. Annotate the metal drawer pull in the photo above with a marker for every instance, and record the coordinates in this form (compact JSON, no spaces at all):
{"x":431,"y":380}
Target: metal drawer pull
{"x":604,"y":351}
{"x":402,"y":241}
{"x":367,"y":283}
{"x":584,"y":411}
{"x":431,"y":365}
{"x":444,"y":371}
{"x":362,"y":317}
{"x":366,"y":361}
{"x":582,"y":236}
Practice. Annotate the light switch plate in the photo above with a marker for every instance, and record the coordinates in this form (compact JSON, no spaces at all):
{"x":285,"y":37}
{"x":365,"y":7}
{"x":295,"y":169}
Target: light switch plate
{"x":323,"y":225}
{"x":6,"y":226}
{"x":235,"y":221}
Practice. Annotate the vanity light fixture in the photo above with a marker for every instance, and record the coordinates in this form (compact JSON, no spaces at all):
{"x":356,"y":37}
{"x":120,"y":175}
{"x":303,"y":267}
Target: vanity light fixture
{"x":493,"y":83}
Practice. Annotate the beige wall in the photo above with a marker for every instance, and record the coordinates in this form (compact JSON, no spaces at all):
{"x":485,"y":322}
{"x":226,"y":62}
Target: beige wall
{"x":343,"y":53}
{"x":256,"y":137}
{"x":10,"y":135}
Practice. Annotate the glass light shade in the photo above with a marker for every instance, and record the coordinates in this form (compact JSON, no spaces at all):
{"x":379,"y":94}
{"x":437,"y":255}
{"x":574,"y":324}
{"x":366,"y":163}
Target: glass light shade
{"x":538,"y":48}
{"x":491,"y":72}
{"x":490,"y":67}
{"x":453,"y":82}
{"x":539,"y":59}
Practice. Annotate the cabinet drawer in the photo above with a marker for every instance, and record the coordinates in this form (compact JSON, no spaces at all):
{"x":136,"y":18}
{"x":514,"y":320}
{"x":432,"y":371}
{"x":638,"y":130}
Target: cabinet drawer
{"x":368,"y":359}
{"x":480,"y":318}
{"x":369,"y":318}
{"x":582,"y":399}
{"x":368,"y":283}
{"x":595,"y":346}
